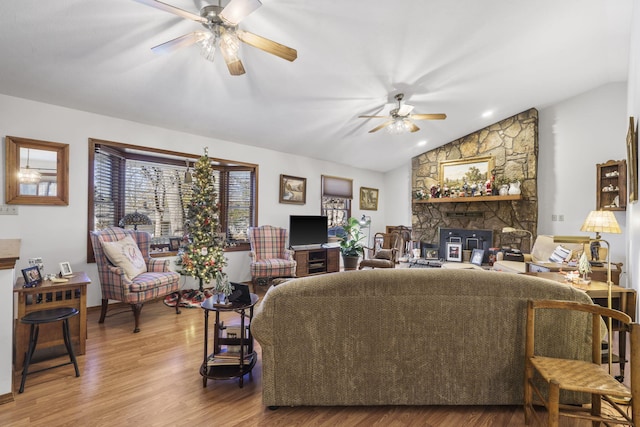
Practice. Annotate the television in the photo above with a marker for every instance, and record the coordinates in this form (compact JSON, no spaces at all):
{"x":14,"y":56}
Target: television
{"x":307,"y":231}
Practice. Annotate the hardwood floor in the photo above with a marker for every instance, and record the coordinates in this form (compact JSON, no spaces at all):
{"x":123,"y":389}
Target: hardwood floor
{"x":152,"y":379}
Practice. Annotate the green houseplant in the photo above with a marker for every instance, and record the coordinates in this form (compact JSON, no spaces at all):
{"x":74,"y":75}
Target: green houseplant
{"x":351,"y":247}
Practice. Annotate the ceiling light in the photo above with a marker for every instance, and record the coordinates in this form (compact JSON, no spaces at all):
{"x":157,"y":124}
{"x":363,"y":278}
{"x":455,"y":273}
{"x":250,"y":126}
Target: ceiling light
{"x":28,"y":175}
{"x":487,"y":114}
{"x":422,"y":143}
{"x":398,"y":126}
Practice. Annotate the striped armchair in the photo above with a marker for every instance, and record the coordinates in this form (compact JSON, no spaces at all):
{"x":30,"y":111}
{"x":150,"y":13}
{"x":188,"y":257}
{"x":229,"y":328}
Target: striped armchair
{"x":156,"y":282}
{"x":269,"y":256}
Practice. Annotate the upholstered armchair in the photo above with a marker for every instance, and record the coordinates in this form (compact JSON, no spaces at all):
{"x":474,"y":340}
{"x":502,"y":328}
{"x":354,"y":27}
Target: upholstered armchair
{"x":269,"y":255}
{"x":128,"y":274}
{"x":385,"y":252}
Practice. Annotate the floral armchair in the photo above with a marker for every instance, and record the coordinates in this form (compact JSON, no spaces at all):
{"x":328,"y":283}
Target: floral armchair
{"x":127,"y":273}
{"x":269,"y":256}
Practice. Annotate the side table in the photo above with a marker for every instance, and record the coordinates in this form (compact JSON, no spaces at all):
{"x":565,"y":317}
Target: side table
{"x":47,"y":295}
{"x":222,"y":363}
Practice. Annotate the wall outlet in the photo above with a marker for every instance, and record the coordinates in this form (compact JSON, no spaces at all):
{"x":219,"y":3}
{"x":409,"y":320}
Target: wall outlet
{"x":8,"y":210}
{"x":560,"y":217}
{"x":554,"y":217}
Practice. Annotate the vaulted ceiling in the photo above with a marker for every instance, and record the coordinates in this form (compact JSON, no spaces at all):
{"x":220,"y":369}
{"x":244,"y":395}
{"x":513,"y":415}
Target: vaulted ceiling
{"x":462,"y":58}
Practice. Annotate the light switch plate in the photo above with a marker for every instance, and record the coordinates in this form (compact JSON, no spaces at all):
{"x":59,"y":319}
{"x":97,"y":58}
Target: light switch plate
{"x":8,"y":210}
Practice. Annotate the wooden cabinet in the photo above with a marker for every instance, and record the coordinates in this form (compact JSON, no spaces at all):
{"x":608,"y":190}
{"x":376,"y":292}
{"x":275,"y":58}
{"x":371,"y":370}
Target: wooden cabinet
{"x":611,"y":185}
{"x":317,"y":261}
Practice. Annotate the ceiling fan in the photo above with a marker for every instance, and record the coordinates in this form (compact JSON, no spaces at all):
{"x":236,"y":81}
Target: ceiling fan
{"x":222,"y":31}
{"x":400,"y":119}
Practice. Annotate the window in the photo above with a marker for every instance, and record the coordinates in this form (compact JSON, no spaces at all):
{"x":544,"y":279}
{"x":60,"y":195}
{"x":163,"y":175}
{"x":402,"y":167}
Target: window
{"x":125,"y":179}
{"x":336,"y":199}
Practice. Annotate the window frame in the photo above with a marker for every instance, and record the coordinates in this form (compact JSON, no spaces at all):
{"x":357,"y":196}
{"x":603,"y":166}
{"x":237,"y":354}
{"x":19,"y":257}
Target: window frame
{"x":149,"y":154}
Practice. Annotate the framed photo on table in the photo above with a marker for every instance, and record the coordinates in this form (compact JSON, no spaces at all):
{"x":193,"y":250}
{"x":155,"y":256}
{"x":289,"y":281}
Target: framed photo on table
{"x":32,"y":276}
{"x":477,"y":256}
{"x":454,"y":252}
{"x":431,"y":253}
{"x":65,"y":269}
{"x":293,"y":190}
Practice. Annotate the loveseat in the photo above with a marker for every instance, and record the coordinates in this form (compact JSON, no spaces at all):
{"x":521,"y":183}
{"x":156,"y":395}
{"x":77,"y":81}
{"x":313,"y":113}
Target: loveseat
{"x":406,"y":337}
{"x":544,"y":250}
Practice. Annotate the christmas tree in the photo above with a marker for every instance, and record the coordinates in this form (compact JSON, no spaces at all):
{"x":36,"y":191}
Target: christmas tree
{"x":203,"y":255}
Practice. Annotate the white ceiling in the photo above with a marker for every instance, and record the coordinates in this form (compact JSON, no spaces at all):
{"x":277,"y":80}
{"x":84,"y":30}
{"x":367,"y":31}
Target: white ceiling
{"x":456,"y":57}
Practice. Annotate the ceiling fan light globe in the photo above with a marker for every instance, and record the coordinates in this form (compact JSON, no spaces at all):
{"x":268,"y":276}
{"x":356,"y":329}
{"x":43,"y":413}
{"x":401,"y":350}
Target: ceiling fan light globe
{"x":208,"y":46}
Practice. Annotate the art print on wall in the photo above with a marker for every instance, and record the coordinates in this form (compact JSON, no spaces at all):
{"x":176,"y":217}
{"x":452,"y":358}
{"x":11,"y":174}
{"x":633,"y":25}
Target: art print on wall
{"x":368,"y":199}
{"x":293,"y":190}
{"x":632,"y":160}
{"x":457,"y":173}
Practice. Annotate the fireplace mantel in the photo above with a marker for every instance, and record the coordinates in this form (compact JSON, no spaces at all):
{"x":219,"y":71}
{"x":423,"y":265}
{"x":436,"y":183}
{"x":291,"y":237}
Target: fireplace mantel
{"x":471,"y":199}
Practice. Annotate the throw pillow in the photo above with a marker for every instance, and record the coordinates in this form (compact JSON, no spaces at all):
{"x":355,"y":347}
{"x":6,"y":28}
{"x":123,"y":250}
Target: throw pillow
{"x":126,"y":255}
{"x":560,"y":254}
{"x":384,"y":254}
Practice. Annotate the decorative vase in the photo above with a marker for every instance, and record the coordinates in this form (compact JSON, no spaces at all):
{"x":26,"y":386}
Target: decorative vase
{"x":514,"y":188}
{"x":504,"y":190}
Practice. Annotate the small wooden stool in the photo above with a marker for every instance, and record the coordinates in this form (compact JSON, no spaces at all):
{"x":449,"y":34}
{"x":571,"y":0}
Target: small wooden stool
{"x":35,"y":319}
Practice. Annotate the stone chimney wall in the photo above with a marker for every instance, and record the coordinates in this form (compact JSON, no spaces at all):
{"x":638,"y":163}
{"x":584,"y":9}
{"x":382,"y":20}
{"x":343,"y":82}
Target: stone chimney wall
{"x":513,"y":145}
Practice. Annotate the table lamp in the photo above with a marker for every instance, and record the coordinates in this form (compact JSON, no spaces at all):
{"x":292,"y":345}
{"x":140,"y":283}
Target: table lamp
{"x":136,"y":218}
{"x":603,"y":222}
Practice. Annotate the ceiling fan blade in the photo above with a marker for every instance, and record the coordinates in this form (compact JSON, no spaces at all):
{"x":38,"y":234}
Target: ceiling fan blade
{"x":428,"y":116}
{"x":412,"y":126}
{"x":172,"y":9}
{"x":267,"y":45}
{"x":237,"y":10}
{"x":384,"y":125}
{"x":405,"y":109}
{"x":373,"y":117}
{"x":179,"y":42}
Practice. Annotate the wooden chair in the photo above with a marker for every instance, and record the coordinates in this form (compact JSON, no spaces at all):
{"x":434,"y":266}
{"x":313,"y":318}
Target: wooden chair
{"x":155,"y":281}
{"x":385,"y":251}
{"x":579,"y":375}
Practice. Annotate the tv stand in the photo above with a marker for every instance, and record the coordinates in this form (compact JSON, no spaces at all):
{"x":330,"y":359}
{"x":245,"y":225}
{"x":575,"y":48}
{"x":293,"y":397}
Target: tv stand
{"x":317,"y":261}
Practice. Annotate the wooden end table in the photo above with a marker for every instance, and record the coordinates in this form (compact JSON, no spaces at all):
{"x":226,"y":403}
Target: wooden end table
{"x":214,"y":365}
{"x":47,"y":295}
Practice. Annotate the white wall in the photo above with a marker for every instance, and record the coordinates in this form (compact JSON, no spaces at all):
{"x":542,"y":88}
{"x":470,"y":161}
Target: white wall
{"x":633,"y":110}
{"x":574,"y":136}
{"x":59,"y":233}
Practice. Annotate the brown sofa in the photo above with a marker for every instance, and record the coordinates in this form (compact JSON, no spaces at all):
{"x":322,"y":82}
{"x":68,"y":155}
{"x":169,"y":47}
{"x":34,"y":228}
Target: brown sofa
{"x":405,"y":337}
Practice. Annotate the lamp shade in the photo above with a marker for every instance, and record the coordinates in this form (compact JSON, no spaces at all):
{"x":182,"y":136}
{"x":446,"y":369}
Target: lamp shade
{"x":135,"y":219}
{"x":601,"y":222}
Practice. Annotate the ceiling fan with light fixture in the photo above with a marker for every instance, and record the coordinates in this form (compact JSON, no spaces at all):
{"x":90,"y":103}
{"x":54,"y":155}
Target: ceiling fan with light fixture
{"x":222,"y":31}
{"x":400,"y":119}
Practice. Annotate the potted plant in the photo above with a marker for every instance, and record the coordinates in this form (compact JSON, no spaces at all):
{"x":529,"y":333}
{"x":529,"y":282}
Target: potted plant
{"x":351,"y":247}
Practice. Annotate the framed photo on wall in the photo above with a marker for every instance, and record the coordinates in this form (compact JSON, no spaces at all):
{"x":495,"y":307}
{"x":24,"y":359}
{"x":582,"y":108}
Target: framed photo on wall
{"x":632,"y":160}
{"x":454,"y":173}
{"x":368,"y":199}
{"x":454,"y":252}
{"x":293,"y":190}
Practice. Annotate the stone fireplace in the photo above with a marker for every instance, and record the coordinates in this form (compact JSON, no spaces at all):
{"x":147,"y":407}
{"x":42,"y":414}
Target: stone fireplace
{"x":513,"y":146}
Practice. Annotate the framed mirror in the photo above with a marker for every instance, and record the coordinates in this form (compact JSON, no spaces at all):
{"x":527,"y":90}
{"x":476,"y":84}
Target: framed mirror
{"x":36,"y":172}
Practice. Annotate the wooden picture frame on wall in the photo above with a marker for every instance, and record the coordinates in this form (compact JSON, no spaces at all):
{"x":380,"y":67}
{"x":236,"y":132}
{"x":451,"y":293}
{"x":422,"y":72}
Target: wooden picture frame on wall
{"x":293,"y":190}
{"x":454,"y":172}
{"x":632,"y":160}
{"x":368,"y":199}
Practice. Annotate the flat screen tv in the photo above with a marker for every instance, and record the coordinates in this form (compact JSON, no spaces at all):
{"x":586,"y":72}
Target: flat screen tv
{"x":308,"y":230}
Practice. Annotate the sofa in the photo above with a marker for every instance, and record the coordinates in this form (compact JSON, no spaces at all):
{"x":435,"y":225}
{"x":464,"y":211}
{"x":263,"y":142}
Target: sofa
{"x":406,"y":337}
{"x":544,"y":250}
